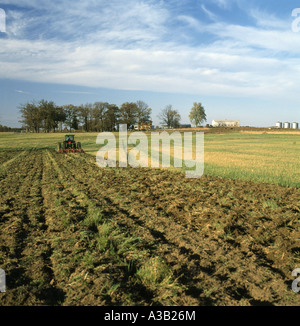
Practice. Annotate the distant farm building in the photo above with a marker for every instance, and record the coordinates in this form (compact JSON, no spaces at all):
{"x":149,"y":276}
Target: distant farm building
{"x":295,"y":125}
{"x":226,"y":123}
{"x":287,"y":125}
{"x":147,"y":125}
{"x":164,"y":127}
{"x":181,"y":126}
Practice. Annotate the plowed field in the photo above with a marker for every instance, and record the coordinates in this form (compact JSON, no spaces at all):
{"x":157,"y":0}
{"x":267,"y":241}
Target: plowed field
{"x":74,"y":234}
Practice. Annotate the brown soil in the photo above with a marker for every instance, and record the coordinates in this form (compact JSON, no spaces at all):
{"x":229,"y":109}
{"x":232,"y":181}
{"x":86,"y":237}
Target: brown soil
{"x":220,"y":241}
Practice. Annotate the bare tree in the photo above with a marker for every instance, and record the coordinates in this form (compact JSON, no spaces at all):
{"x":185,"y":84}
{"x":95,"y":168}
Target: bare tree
{"x":143,"y":112}
{"x":169,"y":117}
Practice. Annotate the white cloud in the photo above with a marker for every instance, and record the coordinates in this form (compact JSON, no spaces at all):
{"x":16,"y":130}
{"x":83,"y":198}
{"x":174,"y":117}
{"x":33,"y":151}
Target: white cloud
{"x":192,"y":22}
{"x":225,"y":4}
{"x":210,"y":14}
{"x":277,"y":41}
{"x":21,"y":92}
{"x":135,"y":45}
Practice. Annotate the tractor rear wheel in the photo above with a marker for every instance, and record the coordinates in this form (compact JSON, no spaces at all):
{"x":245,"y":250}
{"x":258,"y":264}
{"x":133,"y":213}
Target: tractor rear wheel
{"x":78,"y":145}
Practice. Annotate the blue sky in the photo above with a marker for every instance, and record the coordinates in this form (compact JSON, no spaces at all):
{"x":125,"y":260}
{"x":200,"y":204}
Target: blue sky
{"x":240,"y":59}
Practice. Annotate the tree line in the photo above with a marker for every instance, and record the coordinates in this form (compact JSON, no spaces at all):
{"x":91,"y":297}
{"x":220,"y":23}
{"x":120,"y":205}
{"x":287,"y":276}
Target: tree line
{"x":8,"y":129}
{"x":91,"y":117}
{"x":46,"y":116}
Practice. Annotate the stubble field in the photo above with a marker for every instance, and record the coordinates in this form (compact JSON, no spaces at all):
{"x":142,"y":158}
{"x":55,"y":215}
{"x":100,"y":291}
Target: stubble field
{"x":74,"y":234}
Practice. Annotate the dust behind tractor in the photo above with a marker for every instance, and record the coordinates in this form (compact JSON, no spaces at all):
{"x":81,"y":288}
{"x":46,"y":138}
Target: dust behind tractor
{"x":69,"y":145}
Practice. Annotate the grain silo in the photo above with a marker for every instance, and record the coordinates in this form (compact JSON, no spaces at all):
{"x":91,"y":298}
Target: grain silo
{"x":295,"y":125}
{"x":287,"y":125}
{"x":279,"y":125}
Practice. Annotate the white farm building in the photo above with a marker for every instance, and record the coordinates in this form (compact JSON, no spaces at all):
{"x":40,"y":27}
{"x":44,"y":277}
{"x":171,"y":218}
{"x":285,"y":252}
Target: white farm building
{"x":226,"y":123}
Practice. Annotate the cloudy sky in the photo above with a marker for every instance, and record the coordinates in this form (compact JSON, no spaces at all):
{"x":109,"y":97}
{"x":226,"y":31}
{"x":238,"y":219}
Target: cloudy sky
{"x":241,"y":59}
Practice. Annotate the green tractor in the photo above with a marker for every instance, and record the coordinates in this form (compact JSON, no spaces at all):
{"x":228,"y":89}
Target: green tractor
{"x":69,"y":145}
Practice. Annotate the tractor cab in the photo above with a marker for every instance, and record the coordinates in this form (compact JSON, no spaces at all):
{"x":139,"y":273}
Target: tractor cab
{"x":69,"y":139}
